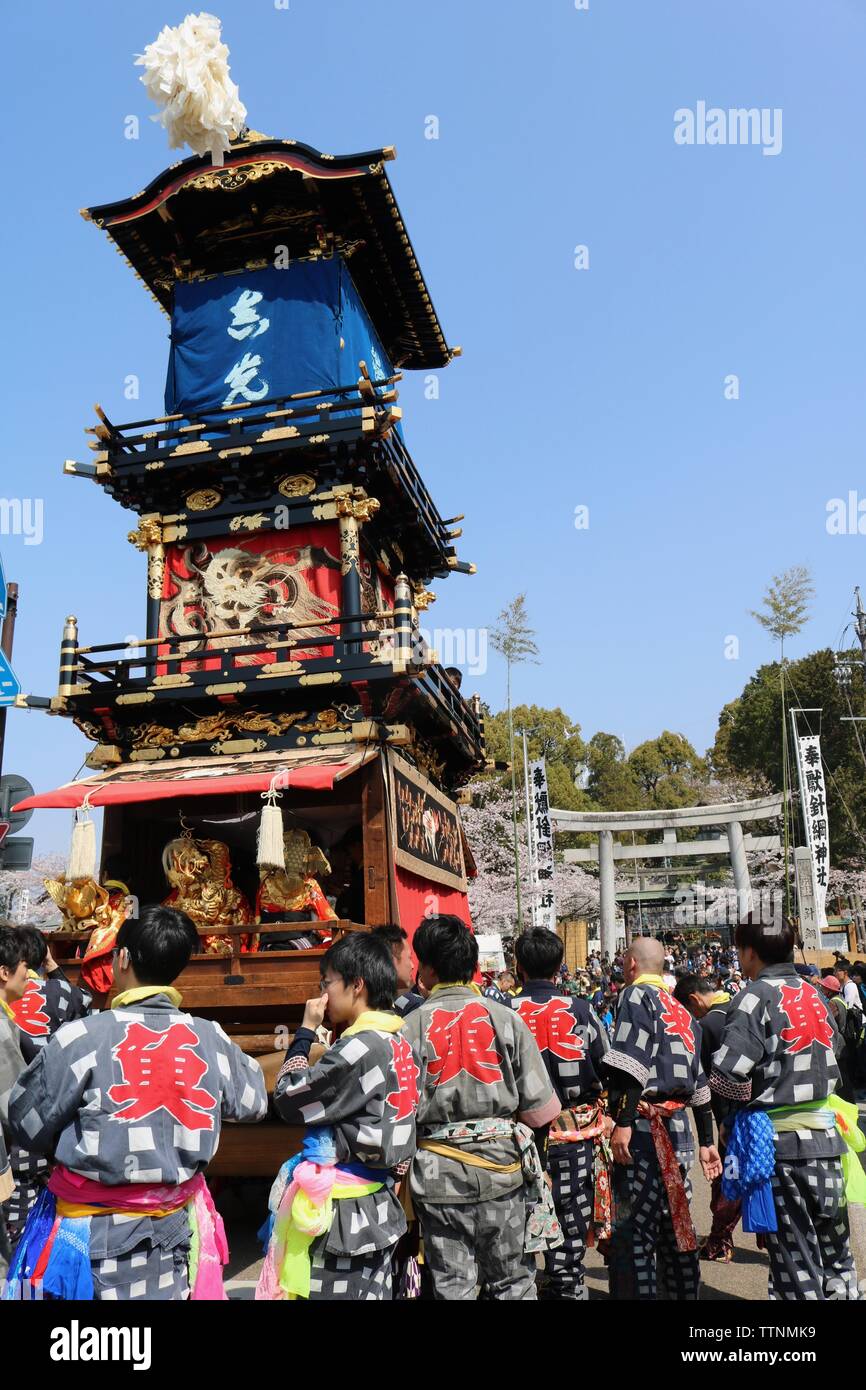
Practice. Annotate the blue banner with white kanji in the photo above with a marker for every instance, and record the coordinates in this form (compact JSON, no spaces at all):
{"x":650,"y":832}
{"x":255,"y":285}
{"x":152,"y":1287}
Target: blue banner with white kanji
{"x":238,"y":339}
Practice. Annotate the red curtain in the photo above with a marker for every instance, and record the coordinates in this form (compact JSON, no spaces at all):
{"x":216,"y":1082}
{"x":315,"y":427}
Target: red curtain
{"x":418,"y":897}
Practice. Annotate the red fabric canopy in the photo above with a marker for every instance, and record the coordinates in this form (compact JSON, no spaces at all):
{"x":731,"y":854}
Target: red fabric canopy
{"x":133,"y":783}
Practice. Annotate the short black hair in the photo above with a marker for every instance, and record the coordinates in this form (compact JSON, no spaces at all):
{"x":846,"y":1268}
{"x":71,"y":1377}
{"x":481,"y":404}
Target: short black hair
{"x":34,"y":947}
{"x":160,"y":941}
{"x":11,"y":950}
{"x":446,"y":945}
{"x":687,"y":985}
{"x":773,"y":944}
{"x":392,"y":934}
{"x":843,"y":964}
{"x":368,"y":957}
{"x":539,"y":953}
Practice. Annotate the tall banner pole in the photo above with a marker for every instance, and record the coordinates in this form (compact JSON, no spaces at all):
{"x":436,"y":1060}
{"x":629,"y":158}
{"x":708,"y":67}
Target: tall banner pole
{"x":544,"y":899}
{"x":813,"y":802}
{"x":530,"y":822}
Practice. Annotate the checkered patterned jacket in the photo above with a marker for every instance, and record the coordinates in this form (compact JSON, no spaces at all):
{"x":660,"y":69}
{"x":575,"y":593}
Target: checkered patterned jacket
{"x":778,"y":1048}
{"x":48,"y":1002}
{"x":11,"y":1064}
{"x":135,"y":1094}
{"x":364,"y":1088}
{"x":571,"y":1037}
{"x":478,"y":1061}
{"x":657,"y":1041}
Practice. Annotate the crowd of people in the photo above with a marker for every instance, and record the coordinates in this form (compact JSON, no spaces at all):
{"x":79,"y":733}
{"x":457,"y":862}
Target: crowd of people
{"x":461,"y":1139}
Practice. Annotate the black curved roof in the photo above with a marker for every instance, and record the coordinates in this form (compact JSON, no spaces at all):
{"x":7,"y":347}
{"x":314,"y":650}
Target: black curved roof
{"x":197,"y":219}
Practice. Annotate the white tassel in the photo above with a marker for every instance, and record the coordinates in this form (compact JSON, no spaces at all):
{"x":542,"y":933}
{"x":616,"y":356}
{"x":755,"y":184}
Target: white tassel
{"x":82,"y":850}
{"x":186,"y":73}
{"x":270,"y":850}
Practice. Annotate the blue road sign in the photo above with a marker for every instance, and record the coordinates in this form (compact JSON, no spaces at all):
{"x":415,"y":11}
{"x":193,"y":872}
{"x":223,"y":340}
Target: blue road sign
{"x":10,"y":686}
{"x":2,"y":590}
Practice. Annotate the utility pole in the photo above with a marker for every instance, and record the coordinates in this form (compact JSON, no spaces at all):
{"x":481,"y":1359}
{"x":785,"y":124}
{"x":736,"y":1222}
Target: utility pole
{"x":860,"y":616}
{"x":7,"y":634}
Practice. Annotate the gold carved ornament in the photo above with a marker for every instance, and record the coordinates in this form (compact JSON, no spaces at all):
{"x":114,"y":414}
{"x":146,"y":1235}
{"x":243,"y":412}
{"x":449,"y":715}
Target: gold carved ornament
{"x":147,"y":534}
{"x":204,"y":500}
{"x":85,"y":906}
{"x":199,"y":875}
{"x":296,"y":485}
{"x":296,"y":887}
{"x":219,"y":726}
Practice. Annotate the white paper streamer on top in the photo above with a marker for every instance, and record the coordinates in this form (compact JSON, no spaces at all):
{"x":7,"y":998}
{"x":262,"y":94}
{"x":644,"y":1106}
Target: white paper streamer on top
{"x":186,"y":72}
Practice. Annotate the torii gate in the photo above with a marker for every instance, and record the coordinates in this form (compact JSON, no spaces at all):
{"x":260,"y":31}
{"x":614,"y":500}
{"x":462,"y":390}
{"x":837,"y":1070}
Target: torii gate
{"x":605,"y":824}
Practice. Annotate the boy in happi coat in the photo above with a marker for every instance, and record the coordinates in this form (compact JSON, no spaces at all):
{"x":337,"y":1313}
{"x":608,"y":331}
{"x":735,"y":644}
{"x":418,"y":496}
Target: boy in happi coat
{"x":129,"y":1103}
{"x":573,"y":1043}
{"x":777,"y":1056}
{"x":13,"y":982}
{"x":408,"y":997}
{"x":336,"y":1214}
{"x":48,"y":1000}
{"x":483,"y":1090}
{"x":654,"y":1072}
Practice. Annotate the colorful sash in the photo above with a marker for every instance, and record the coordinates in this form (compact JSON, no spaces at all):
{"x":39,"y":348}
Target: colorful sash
{"x":832,"y":1113}
{"x":585,"y":1124}
{"x":542,"y":1230}
{"x":54,"y":1248}
{"x":302,"y":1209}
{"x":678,"y":1202}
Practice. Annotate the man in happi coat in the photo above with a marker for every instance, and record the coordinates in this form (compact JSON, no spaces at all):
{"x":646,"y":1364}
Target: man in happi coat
{"x":476,"y":1180}
{"x":654,"y":1073}
{"x":129,"y":1103}
{"x":777,"y":1057}
{"x":336,"y":1214}
{"x":573,"y":1043}
{"x":707,"y":1004}
{"x":48,"y":1000}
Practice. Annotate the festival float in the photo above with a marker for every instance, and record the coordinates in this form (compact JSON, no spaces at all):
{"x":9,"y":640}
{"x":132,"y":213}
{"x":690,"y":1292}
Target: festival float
{"x":281,"y":754}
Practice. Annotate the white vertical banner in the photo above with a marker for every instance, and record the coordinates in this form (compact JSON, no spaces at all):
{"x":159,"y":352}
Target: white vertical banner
{"x":813,"y":799}
{"x":543,"y":900}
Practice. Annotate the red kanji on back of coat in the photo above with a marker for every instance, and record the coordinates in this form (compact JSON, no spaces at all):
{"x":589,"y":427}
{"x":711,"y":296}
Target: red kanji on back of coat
{"x":463,"y":1042}
{"x":554,"y":1027}
{"x":677,"y":1021}
{"x":29,"y":1011}
{"x":405,"y":1099}
{"x":161,"y":1071}
{"x":807,"y":1016}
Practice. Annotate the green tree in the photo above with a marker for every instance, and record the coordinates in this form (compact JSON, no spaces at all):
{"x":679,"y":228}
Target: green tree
{"x":747,"y":741}
{"x":612,"y":783}
{"x":669,"y":770}
{"x":551,"y":734}
{"x":785,"y":605}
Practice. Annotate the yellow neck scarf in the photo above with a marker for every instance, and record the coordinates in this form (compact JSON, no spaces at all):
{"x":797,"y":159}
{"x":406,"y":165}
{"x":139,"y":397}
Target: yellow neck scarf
{"x":456,"y":984}
{"x":135,"y":996}
{"x":6,"y":1009}
{"x":375,"y":1019}
{"x":655,"y":980}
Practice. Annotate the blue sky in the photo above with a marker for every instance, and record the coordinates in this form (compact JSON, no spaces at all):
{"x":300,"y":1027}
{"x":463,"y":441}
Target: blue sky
{"x":601,"y":388}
